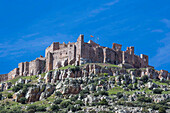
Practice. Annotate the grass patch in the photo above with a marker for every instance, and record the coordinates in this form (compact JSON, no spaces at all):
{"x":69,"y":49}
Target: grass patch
{"x":131,"y":69}
{"x":106,"y":65}
{"x":13,"y":81}
{"x":115,"y":90}
{"x":166,"y":92}
{"x":66,"y":67}
{"x":159,"y":83}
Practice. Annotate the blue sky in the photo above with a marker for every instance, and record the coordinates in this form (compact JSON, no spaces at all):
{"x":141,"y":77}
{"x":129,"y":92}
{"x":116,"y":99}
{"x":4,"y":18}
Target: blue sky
{"x":28,"y":27}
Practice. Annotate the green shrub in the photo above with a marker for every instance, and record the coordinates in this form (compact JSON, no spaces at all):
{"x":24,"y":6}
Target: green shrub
{"x":82,"y":95}
{"x":144,"y":99}
{"x":64,"y":104}
{"x":96,"y":94}
{"x":103,"y":93}
{"x":9,"y":95}
{"x":55,"y":108}
{"x":79,"y":102}
{"x":130,"y":104}
{"x":93,"y":103}
{"x":16,"y":110}
{"x":22,"y":100}
{"x":0,"y":96}
{"x":130,"y":86}
{"x":145,"y":110}
{"x":72,"y":108}
{"x":154,"y":106}
{"x":121,"y":103}
{"x":77,"y":68}
{"x":58,"y":101}
{"x":157,"y":91}
{"x":74,"y":98}
{"x":119,"y":95}
{"x":41,"y":108}
{"x":144,"y":78}
{"x":58,"y":93}
{"x":103,"y":102}
{"x":86,"y":91}
{"x":31,"y":108}
{"x":17,"y":87}
{"x":162,"y":110}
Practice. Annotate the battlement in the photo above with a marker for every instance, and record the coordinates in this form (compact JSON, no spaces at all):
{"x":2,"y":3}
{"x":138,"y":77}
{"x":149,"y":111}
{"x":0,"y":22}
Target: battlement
{"x":116,"y":47}
{"x":77,"y":53}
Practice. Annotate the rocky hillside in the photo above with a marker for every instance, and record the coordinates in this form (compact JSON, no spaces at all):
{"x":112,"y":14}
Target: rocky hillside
{"x":90,"y":88}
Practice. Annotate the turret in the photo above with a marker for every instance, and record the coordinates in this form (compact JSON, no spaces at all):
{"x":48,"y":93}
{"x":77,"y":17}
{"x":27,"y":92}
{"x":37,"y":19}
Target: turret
{"x":116,"y":47}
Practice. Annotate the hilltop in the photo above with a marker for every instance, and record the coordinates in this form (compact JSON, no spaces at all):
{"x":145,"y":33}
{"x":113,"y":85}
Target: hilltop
{"x":85,"y":78}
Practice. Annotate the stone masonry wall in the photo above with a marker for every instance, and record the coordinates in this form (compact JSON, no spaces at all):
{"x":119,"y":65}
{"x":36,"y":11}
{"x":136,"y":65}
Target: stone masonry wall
{"x":3,"y":77}
{"x":77,"y":53}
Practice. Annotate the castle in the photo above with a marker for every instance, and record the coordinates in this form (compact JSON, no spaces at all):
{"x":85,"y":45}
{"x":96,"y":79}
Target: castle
{"x":59,"y":55}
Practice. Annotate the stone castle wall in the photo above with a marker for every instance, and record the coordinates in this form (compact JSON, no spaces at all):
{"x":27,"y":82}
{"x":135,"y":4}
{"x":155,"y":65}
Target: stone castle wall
{"x":3,"y":77}
{"x":77,"y":53}
{"x":14,"y":73}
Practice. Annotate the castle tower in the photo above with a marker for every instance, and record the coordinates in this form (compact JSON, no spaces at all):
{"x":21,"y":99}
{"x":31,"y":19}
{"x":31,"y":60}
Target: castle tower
{"x":49,"y":61}
{"x":79,"y":48}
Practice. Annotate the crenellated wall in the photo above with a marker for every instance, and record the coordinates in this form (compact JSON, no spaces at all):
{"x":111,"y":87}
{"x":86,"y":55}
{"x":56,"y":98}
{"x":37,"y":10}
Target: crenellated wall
{"x":77,"y":53}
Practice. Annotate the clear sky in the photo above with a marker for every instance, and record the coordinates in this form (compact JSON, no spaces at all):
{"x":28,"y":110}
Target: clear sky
{"x":27,"y":27}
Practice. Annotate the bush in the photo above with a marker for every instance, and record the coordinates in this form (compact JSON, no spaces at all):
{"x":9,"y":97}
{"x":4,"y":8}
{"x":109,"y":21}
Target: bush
{"x":157,"y":91}
{"x":16,"y":110}
{"x":144,"y":78}
{"x":82,"y":95}
{"x":74,"y":98}
{"x":72,"y":108}
{"x":105,"y":74}
{"x":121,"y":103}
{"x":58,"y":101}
{"x":79,"y":102}
{"x":77,"y":68}
{"x":144,"y":99}
{"x":130,"y":86}
{"x":93,"y":103}
{"x":119,"y":95}
{"x":22,"y":100}
{"x":64,"y":104}
{"x":58,"y":93}
{"x":9,"y":95}
{"x":86,"y":91}
{"x":0,"y":96}
{"x":162,"y":110}
{"x":103,"y":93}
{"x":103,"y":102}
{"x":96,"y":94}
{"x":17,"y":87}
{"x":145,"y":110}
{"x":154,"y":106}
{"x":55,"y":108}
{"x":41,"y":108}
{"x":31,"y":108}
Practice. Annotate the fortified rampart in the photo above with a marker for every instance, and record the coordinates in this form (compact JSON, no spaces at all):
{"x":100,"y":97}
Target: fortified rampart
{"x":77,"y":53}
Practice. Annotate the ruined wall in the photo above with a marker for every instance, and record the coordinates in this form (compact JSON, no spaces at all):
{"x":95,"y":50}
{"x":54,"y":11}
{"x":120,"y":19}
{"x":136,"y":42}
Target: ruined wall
{"x":14,"y":73}
{"x":36,"y":66}
{"x":3,"y":77}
